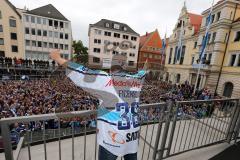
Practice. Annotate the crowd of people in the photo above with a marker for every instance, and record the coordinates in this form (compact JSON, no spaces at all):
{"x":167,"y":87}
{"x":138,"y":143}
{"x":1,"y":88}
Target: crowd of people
{"x":28,"y":63}
{"x":34,"y":97}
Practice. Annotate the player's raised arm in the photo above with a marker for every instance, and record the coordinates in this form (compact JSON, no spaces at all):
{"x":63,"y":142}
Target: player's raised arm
{"x":55,"y":55}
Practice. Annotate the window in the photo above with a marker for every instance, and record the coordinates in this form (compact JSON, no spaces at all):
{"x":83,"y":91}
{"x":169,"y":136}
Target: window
{"x":213,"y":17}
{"x":39,"y":44}
{"x":61,"y":46}
{"x":27,"y":18}
{"x":192,"y":60}
{"x":34,"y":44}
{"x":12,"y":23}
{"x":1,"y":28}
{"x":56,"y":34}
{"x":96,"y":60}
{"x":132,"y":54}
{"x":45,"y":44}
{"x":170,"y":56}
{"x":14,"y":48}
{"x":124,"y":53}
{"x":130,"y":63}
{"x":45,"y":33}
{"x":209,"y":37}
{"x":66,"y":47}
{"x":50,"y":45}
{"x":210,"y":57}
{"x":145,"y":55}
{"x":66,"y":36}
{"x":39,"y":32}
{"x":125,"y":36}
{"x":2,"y":54}
{"x":55,"y":45}
{"x":107,"y":33}
{"x":61,"y":24}
{"x":27,"y":43}
{"x":134,"y":38}
{"x":32,"y":19}
{"x":195,"y":45}
{"x":14,"y":36}
{"x":214,"y":37}
{"x":27,"y":30}
{"x":38,"y":20}
{"x":233,"y":58}
{"x":116,"y":26}
{"x":33,"y":32}
{"x":96,"y":50}
{"x":125,"y":28}
{"x":55,"y":24}
{"x":50,"y":33}
{"x":61,"y":35}
{"x":0,"y":15}
{"x":117,"y":35}
{"x":107,"y":25}
{"x":98,"y":41}
{"x":175,"y":55}
{"x":50,"y":22}
{"x":237,"y":37}
{"x":218,"y":16}
{"x":97,"y":31}
{"x":182,"y":54}
{"x":1,"y":41}
{"x":44,"y":21}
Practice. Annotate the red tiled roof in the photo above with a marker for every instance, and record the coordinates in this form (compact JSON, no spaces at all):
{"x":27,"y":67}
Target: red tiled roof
{"x":195,"y":20}
{"x":144,"y":38}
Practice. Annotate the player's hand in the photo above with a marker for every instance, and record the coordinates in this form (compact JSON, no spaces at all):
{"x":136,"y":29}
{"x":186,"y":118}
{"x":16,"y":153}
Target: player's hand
{"x":55,"y":55}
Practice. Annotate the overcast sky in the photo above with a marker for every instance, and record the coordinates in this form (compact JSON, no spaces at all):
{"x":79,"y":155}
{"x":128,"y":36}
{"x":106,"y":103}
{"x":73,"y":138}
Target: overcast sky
{"x":141,"y":15}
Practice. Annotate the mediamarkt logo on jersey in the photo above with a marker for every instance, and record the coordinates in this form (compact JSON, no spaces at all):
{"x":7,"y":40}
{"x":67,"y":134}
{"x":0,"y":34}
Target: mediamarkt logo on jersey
{"x":120,"y":83}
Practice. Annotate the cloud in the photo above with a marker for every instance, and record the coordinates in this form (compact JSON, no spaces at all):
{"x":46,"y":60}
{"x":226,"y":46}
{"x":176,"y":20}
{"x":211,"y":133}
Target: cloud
{"x":141,"y":15}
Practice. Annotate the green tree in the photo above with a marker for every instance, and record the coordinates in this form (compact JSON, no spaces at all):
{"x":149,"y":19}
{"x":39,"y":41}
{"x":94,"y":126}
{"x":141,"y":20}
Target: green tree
{"x":80,"y":52}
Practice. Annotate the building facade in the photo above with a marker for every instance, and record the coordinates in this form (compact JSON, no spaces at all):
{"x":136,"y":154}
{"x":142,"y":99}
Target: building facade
{"x":229,"y":84}
{"x":220,"y":68}
{"x":109,"y":38}
{"x":11,"y":37}
{"x":45,"y":28}
{"x":151,"y":50}
{"x":178,"y":67}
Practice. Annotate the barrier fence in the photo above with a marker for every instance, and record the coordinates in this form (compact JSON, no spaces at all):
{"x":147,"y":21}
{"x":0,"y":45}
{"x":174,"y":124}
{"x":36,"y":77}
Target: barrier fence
{"x":166,"y":129}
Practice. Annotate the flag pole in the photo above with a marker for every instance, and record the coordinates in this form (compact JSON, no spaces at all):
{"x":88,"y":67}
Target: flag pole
{"x":203,"y":47}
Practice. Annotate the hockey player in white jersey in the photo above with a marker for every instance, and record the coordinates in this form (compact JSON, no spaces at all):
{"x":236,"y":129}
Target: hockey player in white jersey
{"x":118,"y":93}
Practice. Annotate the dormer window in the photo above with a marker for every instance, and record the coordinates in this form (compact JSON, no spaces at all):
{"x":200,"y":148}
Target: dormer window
{"x":116,"y":26}
{"x":125,"y":28}
{"x":107,"y":25}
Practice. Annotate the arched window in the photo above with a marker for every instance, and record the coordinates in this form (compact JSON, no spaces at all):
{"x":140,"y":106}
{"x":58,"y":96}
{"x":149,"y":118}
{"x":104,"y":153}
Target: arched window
{"x":228,"y":89}
{"x":178,"y":78}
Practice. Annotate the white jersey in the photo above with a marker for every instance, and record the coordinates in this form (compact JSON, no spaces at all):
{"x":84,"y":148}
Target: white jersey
{"x":118,"y":128}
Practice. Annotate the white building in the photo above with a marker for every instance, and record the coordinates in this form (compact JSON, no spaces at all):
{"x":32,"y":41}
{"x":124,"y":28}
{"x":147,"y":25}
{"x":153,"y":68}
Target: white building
{"x":108,"y":38}
{"x":45,"y":28}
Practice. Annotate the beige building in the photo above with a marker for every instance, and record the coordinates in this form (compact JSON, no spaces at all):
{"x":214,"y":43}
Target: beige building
{"x":220,"y":68}
{"x":179,"y":66}
{"x":108,"y":39}
{"x":11,"y":35}
{"x":45,"y":29}
{"x":215,"y":73}
{"x":229,"y":76}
